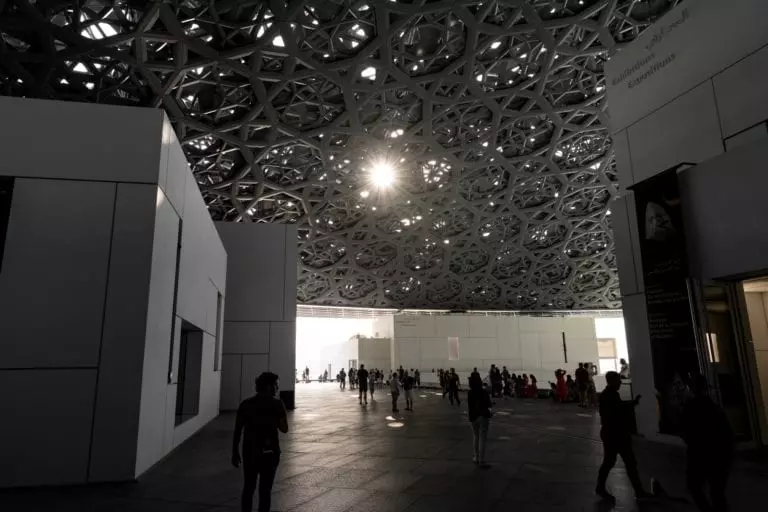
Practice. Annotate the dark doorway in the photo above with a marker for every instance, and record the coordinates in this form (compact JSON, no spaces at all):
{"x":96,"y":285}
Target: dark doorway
{"x":6,"y":196}
{"x":190,"y":370}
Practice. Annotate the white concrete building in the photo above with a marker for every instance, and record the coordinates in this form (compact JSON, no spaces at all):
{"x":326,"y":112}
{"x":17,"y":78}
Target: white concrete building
{"x":689,"y":126}
{"x":260,"y":318}
{"x":111,"y":294}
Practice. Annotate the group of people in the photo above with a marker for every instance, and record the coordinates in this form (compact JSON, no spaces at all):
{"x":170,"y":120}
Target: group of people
{"x":405,"y":381}
{"x":581,"y":389}
{"x":374,"y":378}
{"x":450,"y":384}
{"x":501,"y":383}
{"x":705,"y":430}
{"x":400,"y":381}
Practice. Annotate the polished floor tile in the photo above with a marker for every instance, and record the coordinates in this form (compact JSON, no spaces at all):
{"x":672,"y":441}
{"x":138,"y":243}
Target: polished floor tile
{"x":341,"y":457}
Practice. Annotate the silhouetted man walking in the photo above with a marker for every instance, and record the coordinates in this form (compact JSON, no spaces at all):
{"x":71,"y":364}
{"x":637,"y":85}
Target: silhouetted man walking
{"x":582,"y":382}
{"x":616,"y":433}
{"x":260,"y":416}
{"x":453,"y":387}
{"x":709,"y":438}
{"x":362,"y":384}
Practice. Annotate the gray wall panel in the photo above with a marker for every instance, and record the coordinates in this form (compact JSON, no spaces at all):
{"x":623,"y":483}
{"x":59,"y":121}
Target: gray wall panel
{"x":258,"y":252}
{"x":231,"y":371}
{"x":725,"y":212}
{"x":624,"y":249}
{"x":246,"y":337}
{"x":686,"y":130}
{"x":33,"y":448}
{"x":117,"y":406}
{"x":740,"y":92}
{"x":82,"y":141}
{"x":54,"y":274}
{"x":253,"y":366}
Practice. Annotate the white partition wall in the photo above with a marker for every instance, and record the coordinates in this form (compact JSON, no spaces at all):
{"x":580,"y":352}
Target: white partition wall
{"x":96,"y":279}
{"x":524,"y":344}
{"x":671,"y":102}
{"x":375,"y":353}
{"x":260,"y":318}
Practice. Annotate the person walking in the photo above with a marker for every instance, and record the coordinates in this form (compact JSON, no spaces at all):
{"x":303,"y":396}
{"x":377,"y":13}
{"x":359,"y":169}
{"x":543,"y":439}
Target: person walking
{"x":362,"y":384}
{"x":417,"y":378}
{"x":408,"y":383}
{"x":582,"y":382}
{"x":709,"y":439}
{"x":394,"y":388}
{"x":443,"y":376}
{"x":371,"y":382}
{"x":616,"y":434}
{"x":453,"y":387}
{"x":259,"y":417}
{"x":623,"y":369}
{"x":342,"y":379}
{"x":561,"y":390}
{"x":479,"y":405}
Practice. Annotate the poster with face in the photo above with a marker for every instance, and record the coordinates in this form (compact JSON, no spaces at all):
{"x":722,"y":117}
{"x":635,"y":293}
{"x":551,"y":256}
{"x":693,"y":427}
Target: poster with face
{"x":665,"y":272}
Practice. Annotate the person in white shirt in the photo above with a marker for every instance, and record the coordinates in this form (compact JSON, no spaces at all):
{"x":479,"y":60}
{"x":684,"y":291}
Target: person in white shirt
{"x":623,"y":369}
{"x":394,"y":387}
{"x":371,"y":381}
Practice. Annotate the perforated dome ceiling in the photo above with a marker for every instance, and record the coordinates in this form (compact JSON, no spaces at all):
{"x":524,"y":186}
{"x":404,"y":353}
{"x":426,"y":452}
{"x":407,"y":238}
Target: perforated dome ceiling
{"x":492,"y":114}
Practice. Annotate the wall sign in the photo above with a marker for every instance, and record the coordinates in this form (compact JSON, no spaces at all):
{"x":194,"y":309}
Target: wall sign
{"x":687,"y":46}
{"x":665,"y":272}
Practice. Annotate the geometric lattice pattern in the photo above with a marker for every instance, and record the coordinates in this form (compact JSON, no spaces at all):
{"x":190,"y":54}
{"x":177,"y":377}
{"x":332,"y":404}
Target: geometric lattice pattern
{"x":492,"y":113}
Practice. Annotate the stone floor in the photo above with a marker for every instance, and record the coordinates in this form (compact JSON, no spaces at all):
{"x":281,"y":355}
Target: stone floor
{"x":342,"y":457}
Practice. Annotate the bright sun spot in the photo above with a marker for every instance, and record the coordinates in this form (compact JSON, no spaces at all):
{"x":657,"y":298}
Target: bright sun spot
{"x":383,"y":174}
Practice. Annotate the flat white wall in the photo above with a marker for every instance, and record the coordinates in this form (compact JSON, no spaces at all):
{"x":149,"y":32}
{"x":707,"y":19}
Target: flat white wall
{"x":324,"y":341}
{"x":704,"y":102}
{"x":375,"y":353}
{"x":521,"y":343}
{"x":260,"y":317}
{"x":88,"y":270}
{"x":384,"y":326}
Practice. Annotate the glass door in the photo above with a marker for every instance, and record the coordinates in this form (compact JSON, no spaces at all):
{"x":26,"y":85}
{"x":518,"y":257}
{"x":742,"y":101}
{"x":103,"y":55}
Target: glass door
{"x":721,"y":338}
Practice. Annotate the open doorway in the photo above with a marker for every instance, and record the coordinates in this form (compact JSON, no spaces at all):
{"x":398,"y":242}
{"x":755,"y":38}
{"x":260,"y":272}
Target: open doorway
{"x":723,"y":353}
{"x":756,"y":299}
{"x":190,"y":372}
